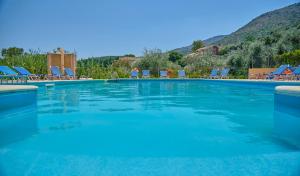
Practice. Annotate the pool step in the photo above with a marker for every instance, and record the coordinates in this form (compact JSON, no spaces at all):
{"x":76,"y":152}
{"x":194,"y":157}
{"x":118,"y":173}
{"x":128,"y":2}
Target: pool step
{"x":12,"y":162}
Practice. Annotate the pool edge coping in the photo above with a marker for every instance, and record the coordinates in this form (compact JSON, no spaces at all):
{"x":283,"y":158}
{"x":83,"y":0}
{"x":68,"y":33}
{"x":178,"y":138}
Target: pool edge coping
{"x":17,"y":88}
{"x":289,"y":90}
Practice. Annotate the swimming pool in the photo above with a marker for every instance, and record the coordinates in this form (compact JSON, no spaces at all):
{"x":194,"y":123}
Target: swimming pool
{"x":146,"y":128}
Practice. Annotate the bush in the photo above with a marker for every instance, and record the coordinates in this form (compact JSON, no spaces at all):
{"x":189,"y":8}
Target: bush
{"x":174,"y":56}
{"x":33,"y":62}
{"x":153,"y":60}
{"x":292,"y":58}
{"x":197,"y":44}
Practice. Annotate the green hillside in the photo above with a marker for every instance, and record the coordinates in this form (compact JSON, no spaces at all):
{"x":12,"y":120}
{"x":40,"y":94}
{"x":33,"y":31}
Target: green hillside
{"x":213,"y":40}
{"x":278,"y":19}
{"x":184,"y":50}
{"x":262,"y":25}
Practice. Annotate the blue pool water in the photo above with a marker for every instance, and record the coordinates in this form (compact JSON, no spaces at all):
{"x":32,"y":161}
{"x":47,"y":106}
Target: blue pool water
{"x":145,"y":128}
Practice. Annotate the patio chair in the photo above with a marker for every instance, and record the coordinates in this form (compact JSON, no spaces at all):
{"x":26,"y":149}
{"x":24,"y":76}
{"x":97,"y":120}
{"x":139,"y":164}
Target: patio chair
{"x":8,"y":73}
{"x":224,"y":73}
{"x":25,"y":72}
{"x":145,"y":73}
{"x":134,"y":74}
{"x":55,"y":72}
{"x":163,"y":74}
{"x":214,"y":74}
{"x":296,"y":73}
{"x":278,"y":73}
{"x":69,"y":73}
{"x":181,"y":74}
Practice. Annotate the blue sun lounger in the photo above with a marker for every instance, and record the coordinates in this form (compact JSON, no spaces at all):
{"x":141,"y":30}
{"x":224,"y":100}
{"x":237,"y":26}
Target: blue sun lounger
{"x":69,"y":73}
{"x":181,"y":74}
{"x":55,"y":72}
{"x":224,"y":73}
{"x":280,"y":69}
{"x":145,"y":73}
{"x":134,"y":74}
{"x":214,"y":73}
{"x":9,"y":74}
{"x":24,"y":72}
{"x":278,"y":72}
{"x":163,"y":74}
{"x":296,"y":73}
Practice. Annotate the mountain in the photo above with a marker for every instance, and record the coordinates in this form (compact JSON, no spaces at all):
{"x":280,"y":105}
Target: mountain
{"x":279,"y":19}
{"x":213,"y":40}
{"x":275,"y":20}
{"x":188,"y":49}
{"x":184,"y":50}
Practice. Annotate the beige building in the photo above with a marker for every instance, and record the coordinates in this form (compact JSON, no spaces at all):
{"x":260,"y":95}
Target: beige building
{"x":213,"y":49}
{"x":61,"y":59}
{"x":129,"y":59}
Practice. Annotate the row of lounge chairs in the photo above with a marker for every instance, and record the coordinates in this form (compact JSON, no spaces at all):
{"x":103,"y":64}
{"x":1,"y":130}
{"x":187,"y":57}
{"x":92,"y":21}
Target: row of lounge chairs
{"x":55,"y":73}
{"x":215,"y":74}
{"x":9,"y":74}
{"x":285,"y":72}
{"x":21,"y":73}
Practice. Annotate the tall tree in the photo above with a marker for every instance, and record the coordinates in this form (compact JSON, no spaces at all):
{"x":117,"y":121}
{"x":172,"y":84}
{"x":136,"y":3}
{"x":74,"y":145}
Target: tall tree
{"x":129,"y":55}
{"x":174,"y":56}
{"x":255,"y":52}
{"x":197,"y":44}
{"x":12,"y":51}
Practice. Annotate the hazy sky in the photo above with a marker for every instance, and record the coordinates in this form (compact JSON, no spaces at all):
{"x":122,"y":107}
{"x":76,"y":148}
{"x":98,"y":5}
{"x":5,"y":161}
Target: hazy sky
{"x":111,"y":27}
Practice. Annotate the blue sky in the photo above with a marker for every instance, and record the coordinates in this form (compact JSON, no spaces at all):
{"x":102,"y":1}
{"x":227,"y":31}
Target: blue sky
{"x":111,"y":27}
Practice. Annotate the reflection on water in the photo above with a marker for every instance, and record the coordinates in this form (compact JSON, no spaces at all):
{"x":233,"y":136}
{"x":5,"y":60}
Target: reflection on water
{"x":171,"y":120}
{"x":59,"y":100}
{"x":244,"y":113}
{"x":207,"y":100}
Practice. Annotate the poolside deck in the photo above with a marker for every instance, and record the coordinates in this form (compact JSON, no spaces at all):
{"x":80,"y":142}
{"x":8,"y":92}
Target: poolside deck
{"x":246,"y":80}
{"x":295,"y":90}
{"x":64,"y":82}
{"x":14,"y":88}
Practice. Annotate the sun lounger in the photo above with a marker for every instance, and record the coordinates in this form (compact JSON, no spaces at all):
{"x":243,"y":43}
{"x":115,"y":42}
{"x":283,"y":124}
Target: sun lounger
{"x":145,"y":73}
{"x":9,"y":74}
{"x":279,"y":72}
{"x":181,"y":74}
{"x":69,"y":73}
{"x":55,"y":72}
{"x":224,"y":73}
{"x":163,"y":74}
{"x":296,"y":73}
{"x":25,"y":72}
{"x":134,"y":74}
{"x":214,"y":74}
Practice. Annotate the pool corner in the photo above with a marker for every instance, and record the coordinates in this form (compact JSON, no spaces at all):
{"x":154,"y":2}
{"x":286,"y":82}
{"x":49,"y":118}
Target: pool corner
{"x":287,"y":113}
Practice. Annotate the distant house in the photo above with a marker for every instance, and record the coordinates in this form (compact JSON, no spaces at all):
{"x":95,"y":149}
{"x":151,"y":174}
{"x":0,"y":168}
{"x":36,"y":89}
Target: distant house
{"x":128,"y":59}
{"x":61,"y":59}
{"x":213,"y":49}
